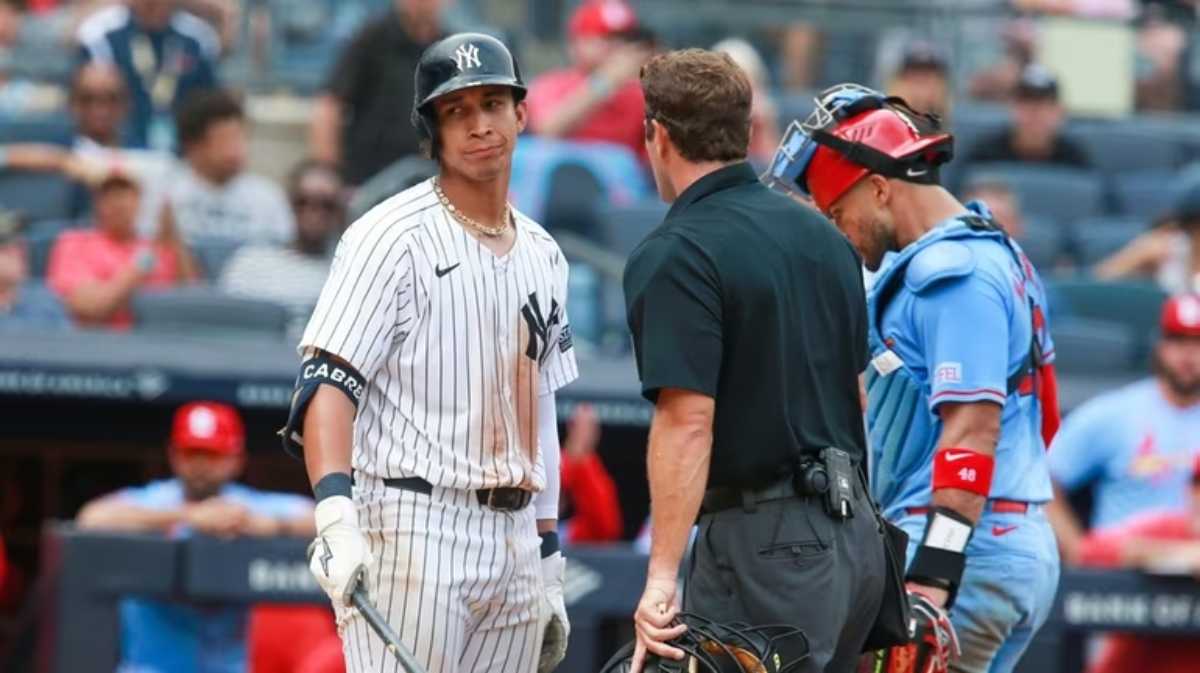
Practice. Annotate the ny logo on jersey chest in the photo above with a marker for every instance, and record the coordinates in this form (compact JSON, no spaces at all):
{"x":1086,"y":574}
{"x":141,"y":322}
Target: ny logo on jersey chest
{"x":539,"y":327}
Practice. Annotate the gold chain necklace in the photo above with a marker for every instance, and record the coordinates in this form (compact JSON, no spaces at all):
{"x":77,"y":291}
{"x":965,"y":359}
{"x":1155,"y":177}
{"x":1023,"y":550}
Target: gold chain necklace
{"x":471,"y":223}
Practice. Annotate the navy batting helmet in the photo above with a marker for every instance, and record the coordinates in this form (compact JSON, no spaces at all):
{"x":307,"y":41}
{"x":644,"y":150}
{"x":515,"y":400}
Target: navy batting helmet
{"x":457,"y":62}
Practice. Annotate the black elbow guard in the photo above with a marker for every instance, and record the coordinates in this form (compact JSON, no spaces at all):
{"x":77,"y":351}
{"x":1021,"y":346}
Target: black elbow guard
{"x":320,"y":369}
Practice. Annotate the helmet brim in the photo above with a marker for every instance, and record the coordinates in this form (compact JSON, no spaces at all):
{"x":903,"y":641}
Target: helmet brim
{"x":470,"y":82}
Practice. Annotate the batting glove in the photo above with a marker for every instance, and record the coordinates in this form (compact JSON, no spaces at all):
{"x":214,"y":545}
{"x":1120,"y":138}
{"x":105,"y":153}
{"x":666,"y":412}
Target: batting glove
{"x":553,"y":619}
{"x":339,"y":557}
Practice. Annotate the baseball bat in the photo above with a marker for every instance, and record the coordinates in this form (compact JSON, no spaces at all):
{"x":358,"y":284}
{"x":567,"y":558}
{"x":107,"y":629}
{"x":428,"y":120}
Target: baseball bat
{"x":362,"y":602}
{"x":380,"y":626}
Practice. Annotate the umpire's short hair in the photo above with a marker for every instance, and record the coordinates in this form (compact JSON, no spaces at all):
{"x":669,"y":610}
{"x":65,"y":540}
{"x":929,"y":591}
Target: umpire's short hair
{"x":702,"y":98}
{"x":202,"y":110}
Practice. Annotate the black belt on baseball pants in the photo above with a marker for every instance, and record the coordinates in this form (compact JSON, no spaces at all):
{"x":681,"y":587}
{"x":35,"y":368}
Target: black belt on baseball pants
{"x":505,"y":499}
{"x":722,"y":498}
{"x":772,"y":555}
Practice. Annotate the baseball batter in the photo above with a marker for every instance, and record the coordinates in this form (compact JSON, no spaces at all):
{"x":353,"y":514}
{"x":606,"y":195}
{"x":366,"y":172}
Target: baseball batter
{"x":425,"y":403}
{"x":961,"y":400}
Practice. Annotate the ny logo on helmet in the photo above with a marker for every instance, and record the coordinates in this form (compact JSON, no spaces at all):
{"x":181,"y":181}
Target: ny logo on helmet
{"x":466,"y":56}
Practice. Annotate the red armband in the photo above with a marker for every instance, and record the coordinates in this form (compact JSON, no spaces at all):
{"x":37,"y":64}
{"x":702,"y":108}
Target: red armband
{"x":963,"y":469}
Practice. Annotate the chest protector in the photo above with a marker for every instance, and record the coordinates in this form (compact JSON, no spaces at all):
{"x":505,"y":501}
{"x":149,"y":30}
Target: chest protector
{"x":903,"y":430}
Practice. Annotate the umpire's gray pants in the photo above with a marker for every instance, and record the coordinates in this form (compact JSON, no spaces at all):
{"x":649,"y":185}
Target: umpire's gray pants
{"x":788,"y":562}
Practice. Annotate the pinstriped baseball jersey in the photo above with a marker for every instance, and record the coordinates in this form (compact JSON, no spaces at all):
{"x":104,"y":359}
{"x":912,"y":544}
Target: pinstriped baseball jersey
{"x":455,"y":343}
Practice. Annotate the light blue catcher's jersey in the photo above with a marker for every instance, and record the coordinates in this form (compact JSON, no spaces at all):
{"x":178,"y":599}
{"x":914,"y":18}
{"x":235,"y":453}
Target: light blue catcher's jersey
{"x":951,"y":320}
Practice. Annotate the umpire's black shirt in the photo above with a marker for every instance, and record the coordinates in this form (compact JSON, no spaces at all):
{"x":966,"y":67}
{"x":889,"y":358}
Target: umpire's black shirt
{"x":750,"y":298}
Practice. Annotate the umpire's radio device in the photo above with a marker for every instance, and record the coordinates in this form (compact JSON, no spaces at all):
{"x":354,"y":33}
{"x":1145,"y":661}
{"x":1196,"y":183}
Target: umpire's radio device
{"x":839,"y":498}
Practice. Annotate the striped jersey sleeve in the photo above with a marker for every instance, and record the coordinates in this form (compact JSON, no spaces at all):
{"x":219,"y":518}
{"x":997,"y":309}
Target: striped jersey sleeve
{"x":560,"y":367}
{"x":369,"y":301}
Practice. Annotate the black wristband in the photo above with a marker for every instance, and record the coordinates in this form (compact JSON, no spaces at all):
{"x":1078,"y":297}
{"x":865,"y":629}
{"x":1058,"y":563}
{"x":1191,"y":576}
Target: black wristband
{"x":549,"y":543}
{"x":334,"y":483}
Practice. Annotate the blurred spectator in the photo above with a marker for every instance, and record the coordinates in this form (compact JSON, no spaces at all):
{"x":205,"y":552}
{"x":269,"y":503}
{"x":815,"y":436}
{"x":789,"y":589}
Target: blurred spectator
{"x":165,"y":56}
{"x":921,"y":79}
{"x":1035,"y":134}
{"x":293,"y":275}
{"x":10,"y":22}
{"x":99,"y":107}
{"x":1162,"y":542}
{"x":592,"y":512}
{"x":274,"y":630}
{"x":22,"y":94}
{"x":800,"y":54}
{"x":206,"y":452}
{"x":1136,"y":445}
{"x":1096,"y":9}
{"x":213,"y":195}
{"x":97,"y":271}
{"x":1160,"y":77}
{"x":389,"y":182}
{"x":1000,"y":199}
{"x":360,"y":120}
{"x":23,"y":304}
{"x":999,"y":81}
{"x":1169,"y":253}
{"x":764,"y":123}
{"x":598,"y":97}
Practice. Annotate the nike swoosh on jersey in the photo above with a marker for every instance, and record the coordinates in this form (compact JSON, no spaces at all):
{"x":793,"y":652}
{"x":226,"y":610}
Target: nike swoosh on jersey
{"x":439,"y":272}
{"x":1003,"y":530}
{"x":951,"y":457}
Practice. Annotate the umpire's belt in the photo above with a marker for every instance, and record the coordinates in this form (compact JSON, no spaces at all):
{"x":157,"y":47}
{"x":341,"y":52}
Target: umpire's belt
{"x":505,"y":499}
{"x":727,"y":497}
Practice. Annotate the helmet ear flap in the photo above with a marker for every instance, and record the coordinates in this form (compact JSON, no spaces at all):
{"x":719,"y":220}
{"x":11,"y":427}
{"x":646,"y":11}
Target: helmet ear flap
{"x":426,"y":125}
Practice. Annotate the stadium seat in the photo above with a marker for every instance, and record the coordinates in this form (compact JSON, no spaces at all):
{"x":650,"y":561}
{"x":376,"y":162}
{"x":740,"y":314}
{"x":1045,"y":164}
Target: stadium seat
{"x":1086,"y":346}
{"x":40,"y":237}
{"x":1134,"y":306}
{"x":794,"y":107}
{"x":203,"y":310}
{"x":1045,"y":242}
{"x":573,"y":200}
{"x":1098,"y":237}
{"x":52,"y":129}
{"x":970,"y":124}
{"x":537,"y":163}
{"x":1121,"y":149}
{"x":1145,"y":195}
{"x":625,"y":226}
{"x":38,"y":196}
{"x":397,"y":177}
{"x":1059,"y":193}
{"x":212,"y":253}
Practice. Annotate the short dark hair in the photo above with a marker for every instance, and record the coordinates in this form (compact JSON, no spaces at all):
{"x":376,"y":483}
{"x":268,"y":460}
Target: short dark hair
{"x":702,"y":98}
{"x":204,"y":109}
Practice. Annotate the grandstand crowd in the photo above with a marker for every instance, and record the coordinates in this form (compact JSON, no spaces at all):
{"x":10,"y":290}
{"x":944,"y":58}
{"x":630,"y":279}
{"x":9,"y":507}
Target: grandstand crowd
{"x":130,"y":169}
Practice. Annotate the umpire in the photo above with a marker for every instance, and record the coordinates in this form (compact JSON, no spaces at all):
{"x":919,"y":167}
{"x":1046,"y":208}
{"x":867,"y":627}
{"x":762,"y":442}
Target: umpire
{"x":749,"y":325}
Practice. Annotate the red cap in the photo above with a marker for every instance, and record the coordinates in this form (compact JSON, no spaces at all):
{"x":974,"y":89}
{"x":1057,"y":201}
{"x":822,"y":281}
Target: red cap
{"x":830,"y":175}
{"x":601,"y":18}
{"x":208,"y":426}
{"x":1181,"y":316}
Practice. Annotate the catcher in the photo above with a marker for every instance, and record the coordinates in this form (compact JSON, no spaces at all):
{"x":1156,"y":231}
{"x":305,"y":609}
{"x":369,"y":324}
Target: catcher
{"x":961,"y":389}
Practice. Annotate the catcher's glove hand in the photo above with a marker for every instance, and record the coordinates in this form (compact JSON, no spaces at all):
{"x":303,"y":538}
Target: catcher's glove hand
{"x":714,"y":647}
{"x":932,"y":646}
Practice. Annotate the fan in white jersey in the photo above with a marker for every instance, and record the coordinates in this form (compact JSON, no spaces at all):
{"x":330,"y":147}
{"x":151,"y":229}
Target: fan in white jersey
{"x":430,"y":367}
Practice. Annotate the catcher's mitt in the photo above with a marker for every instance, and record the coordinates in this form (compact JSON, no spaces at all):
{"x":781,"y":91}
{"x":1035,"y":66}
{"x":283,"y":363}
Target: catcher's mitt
{"x":722,"y":648}
{"x":932,"y":645}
